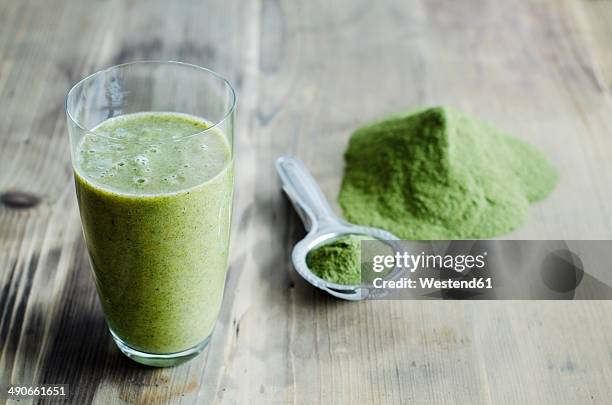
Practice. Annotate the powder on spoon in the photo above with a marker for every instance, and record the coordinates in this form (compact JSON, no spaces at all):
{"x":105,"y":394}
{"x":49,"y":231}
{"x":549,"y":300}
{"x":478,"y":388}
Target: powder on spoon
{"x":338,"y":261}
{"x":440,"y":174}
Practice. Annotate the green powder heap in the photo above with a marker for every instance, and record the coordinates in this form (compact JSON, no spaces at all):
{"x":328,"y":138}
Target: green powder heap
{"x":338,"y":261}
{"x":439,"y":174}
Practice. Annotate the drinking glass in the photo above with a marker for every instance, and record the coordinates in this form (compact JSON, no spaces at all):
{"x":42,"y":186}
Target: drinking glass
{"x":155,"y":205}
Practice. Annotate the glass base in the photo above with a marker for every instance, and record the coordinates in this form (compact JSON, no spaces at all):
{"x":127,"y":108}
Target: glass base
{"x":159,"y":360}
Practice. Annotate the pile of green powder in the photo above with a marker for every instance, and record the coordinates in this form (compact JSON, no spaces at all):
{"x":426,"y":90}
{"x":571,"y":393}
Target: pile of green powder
{"x":439,"y":174}
{"x":338,"y":261}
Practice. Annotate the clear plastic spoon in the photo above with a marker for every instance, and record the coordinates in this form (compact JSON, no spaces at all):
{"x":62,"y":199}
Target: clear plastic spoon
{"x":322,"y":225}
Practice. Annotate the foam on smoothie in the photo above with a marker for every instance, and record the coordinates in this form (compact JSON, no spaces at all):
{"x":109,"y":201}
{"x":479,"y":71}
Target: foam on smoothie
{"x":138,"y":153}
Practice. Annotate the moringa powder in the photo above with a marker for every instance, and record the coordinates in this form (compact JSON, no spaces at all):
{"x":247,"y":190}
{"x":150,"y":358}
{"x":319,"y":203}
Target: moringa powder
{"x":440,"y":174}
{"x":338,"y":261}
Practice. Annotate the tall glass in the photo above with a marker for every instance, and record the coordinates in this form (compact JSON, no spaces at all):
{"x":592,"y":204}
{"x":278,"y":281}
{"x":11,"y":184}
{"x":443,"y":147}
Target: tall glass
{"x":152,"y":152}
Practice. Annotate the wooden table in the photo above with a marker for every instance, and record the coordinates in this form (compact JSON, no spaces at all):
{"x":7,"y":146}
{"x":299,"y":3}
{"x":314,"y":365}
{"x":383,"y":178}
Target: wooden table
{"x":307,"y":74}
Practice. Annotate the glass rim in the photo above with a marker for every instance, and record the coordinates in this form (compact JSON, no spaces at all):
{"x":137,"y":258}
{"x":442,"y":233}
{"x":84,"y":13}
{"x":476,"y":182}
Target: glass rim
{"x":228,"y":113}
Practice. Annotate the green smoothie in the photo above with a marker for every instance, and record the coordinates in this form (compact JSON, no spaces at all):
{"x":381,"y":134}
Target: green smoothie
{"x":155,"y":200}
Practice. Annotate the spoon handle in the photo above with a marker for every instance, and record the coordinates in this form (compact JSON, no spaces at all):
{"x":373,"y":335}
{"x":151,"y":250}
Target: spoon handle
{"x":305,"y":194}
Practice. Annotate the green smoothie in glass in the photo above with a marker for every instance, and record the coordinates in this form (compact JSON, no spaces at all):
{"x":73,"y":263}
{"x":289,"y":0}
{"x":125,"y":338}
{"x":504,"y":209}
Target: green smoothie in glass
{"x":156,"y":216}
{"x":152,"y":152}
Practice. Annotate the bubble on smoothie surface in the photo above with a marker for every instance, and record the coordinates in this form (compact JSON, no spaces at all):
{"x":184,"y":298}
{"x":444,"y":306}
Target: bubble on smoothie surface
{"x":142,"y":160}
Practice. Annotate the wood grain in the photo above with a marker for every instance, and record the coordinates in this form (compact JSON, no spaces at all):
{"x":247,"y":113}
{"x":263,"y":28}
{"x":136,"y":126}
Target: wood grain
{"x":307,"y":74}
